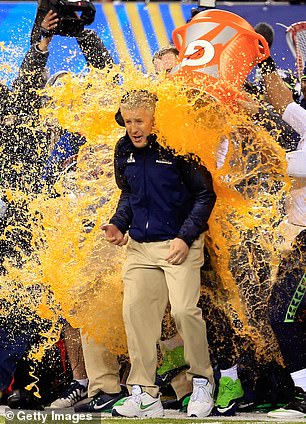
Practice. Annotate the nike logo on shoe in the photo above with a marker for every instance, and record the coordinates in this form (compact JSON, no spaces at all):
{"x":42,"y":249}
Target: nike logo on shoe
{"x":228,"y":408}
{"x":103,"y":405}
{"x":142,"y":406}
{"x":226,"y":411}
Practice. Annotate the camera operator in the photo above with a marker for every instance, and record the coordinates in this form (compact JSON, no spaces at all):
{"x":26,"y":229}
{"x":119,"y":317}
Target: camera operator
{"x":21,"y":160}
{"x":21,"y":140}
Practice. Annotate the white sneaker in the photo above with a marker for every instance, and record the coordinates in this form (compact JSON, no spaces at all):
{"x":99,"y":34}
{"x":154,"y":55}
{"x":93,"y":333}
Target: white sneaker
{"x":139,"y":404}
{"x":286,"y":414}
{"x":201,"y":401}
{"x":295,"y":409}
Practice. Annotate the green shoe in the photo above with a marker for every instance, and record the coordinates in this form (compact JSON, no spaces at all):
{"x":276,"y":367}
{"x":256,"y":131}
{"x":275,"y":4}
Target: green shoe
{"x":229,"y":393}
{"x":172,"y":359}
{"x":184,"y":403}
{"x":264,"y":408}
{"x":120,"y":402}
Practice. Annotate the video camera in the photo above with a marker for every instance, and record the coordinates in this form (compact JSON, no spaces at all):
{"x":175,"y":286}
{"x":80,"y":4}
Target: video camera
{"x":73,"y":16}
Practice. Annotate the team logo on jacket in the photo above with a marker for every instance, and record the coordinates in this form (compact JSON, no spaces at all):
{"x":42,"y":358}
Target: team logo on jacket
{"x":131,"y":158}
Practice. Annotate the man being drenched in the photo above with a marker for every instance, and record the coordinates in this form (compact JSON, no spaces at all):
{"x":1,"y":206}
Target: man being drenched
{"x":165,"y":203}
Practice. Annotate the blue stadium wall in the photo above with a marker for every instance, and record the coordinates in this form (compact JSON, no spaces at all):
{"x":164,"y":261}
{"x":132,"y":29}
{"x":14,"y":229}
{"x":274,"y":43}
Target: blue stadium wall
{"x":130,"y":30}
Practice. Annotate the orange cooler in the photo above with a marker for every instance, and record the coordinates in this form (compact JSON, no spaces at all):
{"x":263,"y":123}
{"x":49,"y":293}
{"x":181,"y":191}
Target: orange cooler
{"x":220,"y":46}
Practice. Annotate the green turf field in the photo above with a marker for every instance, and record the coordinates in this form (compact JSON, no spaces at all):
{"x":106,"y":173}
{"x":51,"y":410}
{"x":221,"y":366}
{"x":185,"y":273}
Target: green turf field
{"x":104,"y":420}
{"x":68,"y":416}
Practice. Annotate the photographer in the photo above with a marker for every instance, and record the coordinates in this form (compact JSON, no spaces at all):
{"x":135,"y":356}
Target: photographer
{"x":24,"y":151}
{"x":20,"y":162}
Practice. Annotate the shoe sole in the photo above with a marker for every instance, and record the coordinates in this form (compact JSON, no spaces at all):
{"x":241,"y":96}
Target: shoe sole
{"x":201,"y":416}
{"x":81,"y":402}
{"x":286,"y":414}
{"x":145,"y":415}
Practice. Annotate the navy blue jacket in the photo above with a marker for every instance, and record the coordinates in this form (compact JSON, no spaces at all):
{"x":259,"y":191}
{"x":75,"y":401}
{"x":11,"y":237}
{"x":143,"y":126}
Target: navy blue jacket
{"x":162,"y":196}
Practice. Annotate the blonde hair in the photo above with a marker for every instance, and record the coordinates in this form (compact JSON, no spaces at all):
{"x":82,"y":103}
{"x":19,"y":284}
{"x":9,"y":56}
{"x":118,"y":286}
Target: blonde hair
{"x":138,"y":98}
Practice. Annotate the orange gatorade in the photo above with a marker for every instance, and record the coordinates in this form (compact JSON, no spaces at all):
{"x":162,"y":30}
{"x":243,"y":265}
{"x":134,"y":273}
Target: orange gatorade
{"x":218,"y":49}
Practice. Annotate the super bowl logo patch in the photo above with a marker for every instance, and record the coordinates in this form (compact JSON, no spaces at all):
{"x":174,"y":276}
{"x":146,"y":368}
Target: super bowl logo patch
{"x":131,"y":158}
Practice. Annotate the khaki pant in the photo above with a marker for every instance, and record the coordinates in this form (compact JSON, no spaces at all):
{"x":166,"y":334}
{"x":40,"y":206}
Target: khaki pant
{"x":181,"y":385}
{"x":149,"y":282}
{"x":101,"y":366}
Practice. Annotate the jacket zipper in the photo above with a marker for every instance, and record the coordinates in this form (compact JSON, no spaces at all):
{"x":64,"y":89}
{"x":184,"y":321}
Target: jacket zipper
{"x":145,"y":191}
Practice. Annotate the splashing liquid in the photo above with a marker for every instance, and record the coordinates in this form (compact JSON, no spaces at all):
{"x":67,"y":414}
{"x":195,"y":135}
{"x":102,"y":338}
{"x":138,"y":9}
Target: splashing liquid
{"x":250,"y":186}
{"x":77,"y":274}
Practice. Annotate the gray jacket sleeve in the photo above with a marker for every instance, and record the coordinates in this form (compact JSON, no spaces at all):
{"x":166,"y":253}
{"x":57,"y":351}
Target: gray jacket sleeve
{"x":32,"y":76}
{"x":94,"y":50}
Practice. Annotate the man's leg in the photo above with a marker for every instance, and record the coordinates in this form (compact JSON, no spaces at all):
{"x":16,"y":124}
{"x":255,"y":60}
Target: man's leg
{"x":287,"y":305}
{"x":74,"y":349}
{"x":184,"y":291}
{"x":184,"y":283}
{"x":77,"y":390}
{"x":287,"y":308}
{"x":12,"y":348}
{"x":102,"y":367}
{"x":181,"y":385}
{"x":144,"y":304}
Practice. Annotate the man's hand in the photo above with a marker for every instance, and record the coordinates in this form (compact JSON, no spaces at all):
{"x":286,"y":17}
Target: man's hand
{"x":248,"y":105}
{"x":50,"y":21}
{"x":113,"y":235}
{"x":178,"y":252}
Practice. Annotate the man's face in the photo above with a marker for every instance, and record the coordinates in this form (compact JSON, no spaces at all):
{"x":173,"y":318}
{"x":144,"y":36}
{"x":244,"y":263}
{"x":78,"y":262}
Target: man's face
{"x":138,"y":123}
{"x":165,"y":64}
